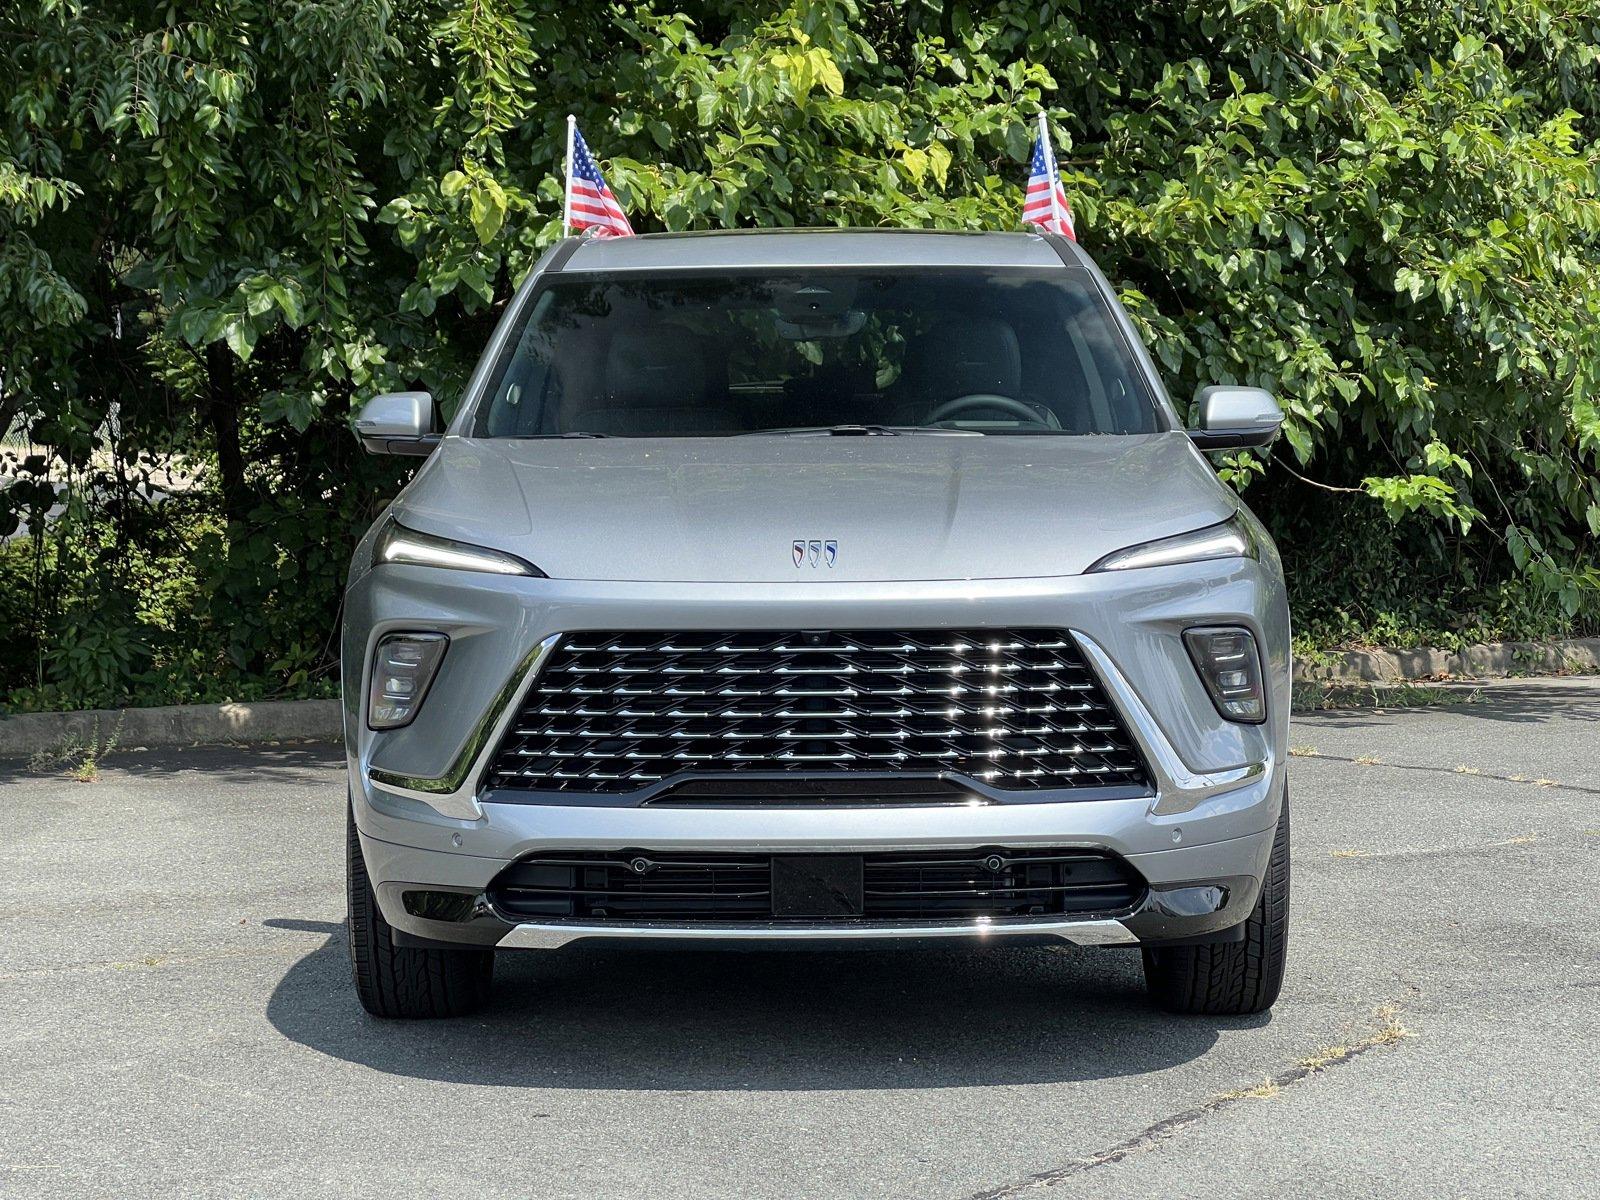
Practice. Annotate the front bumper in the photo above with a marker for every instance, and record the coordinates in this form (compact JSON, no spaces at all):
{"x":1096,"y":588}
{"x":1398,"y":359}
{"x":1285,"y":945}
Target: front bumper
{"x":1200,"y":839}
{"x":1196,"y":892}
{"x":1203,"y":864}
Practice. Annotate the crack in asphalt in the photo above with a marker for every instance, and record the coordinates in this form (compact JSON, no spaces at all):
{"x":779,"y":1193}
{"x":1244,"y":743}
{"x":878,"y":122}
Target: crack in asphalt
{"x":1459,"y":772}
{"x":1435,"y":851}
{"x":1389,"y":1032}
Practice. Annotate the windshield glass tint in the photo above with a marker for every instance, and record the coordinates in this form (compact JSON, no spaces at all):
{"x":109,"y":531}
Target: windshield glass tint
{"x":994,"y":352}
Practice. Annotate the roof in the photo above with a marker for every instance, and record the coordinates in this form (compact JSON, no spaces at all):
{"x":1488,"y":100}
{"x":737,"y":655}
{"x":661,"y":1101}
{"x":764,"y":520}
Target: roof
{"x":783,"y":248}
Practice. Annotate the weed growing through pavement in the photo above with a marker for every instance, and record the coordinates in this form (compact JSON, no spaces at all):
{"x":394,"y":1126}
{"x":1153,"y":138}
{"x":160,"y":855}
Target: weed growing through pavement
{"x":1265,"y":1090}
{"x":1389,"y":1031}
{"x":78,"y":758}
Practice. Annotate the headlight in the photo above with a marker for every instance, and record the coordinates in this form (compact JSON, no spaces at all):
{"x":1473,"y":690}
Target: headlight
{"x":397,"y":544}
{"x":1231,"y":539}
{"x":403,"y":666}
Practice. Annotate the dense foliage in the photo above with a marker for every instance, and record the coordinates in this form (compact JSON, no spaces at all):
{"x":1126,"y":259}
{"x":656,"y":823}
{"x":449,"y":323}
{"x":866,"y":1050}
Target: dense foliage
{"x":224,"y":221}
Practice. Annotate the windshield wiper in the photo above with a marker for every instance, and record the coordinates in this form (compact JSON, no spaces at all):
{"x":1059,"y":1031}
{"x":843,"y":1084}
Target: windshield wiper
{"x":853,"y":431}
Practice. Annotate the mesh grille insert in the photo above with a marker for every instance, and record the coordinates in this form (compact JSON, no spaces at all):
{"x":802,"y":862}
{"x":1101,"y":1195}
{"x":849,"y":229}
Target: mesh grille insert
{"x":1012,"y":708}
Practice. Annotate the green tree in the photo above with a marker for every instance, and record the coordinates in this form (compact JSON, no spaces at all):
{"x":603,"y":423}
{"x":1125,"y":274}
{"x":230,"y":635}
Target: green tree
{"x":224,"y":222}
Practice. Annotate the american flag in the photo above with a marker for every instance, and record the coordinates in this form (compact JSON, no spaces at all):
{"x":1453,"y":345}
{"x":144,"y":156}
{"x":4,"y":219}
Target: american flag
{"x":590,"y":204}
{"x":1045,"y":205}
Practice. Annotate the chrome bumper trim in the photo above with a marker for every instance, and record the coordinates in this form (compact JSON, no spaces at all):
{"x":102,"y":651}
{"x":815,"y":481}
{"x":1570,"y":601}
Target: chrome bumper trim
{"x":554,"y":934}
{"x":455,"y":793}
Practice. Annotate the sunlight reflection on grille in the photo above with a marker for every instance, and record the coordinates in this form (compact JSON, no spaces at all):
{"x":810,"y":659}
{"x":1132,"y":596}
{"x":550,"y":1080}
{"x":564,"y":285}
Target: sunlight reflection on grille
{"x":1017,"y":708}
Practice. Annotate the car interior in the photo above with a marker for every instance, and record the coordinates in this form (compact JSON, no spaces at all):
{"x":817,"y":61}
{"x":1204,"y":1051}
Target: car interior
{"x":709,"y":357}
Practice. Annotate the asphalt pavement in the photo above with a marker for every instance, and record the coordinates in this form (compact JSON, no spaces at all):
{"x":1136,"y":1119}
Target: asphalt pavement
{"x":176,"y":1016}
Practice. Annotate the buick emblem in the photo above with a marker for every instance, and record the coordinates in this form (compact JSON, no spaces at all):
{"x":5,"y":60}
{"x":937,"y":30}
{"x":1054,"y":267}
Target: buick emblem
{"x":815,"y":551}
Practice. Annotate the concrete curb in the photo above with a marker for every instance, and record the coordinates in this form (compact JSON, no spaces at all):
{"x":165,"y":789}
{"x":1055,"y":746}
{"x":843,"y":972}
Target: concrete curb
{"x":27,"y":734}
{"x":1494,"y":660}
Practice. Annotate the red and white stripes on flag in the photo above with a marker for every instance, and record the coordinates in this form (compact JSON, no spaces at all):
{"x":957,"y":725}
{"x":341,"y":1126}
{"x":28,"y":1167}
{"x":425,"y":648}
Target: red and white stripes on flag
{"x":590,"y":204}
{"x":1045,"y":205}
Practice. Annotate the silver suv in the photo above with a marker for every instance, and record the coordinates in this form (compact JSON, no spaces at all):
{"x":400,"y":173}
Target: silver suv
{"x":816,"y":587}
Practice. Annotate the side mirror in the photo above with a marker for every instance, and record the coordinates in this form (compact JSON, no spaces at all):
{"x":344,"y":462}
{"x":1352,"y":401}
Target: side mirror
{"x":1236,"y":418}
{"x":398,"y":423}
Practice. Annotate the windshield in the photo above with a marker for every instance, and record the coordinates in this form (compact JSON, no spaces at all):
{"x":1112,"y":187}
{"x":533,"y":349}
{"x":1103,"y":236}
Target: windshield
{"x":964,"y":351}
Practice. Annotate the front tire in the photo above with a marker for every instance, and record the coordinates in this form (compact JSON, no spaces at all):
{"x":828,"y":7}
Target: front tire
{"x":402,"y":981}
{"x":1232,"y":978}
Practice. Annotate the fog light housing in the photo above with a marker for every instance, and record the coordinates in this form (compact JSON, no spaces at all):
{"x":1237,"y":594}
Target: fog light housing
{"x":1230,"y":667}
{"x":403,"y":666}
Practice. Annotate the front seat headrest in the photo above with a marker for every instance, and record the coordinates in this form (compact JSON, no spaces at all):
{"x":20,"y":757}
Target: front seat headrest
{"x":655,"y":368}
{"x":963,"y":357}
{"x":651,"y":382}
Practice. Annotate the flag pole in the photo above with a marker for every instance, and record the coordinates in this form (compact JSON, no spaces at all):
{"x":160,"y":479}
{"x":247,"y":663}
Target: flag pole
{"x":1050,"y":167}
{"x":566,"y":203}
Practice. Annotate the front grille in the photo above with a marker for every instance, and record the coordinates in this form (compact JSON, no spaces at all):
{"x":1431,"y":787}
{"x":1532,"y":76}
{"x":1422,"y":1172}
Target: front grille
{"x":912,"y":885}
{"x":1012,"y":708}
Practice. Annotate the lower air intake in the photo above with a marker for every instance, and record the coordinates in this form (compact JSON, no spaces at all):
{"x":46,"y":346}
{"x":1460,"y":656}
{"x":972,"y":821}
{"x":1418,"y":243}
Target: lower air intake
{"x":911,"y":886}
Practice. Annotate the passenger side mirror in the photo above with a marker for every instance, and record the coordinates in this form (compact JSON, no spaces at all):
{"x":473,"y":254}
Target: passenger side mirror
{"x":1236,"y":418}
{"x":398,"y":423}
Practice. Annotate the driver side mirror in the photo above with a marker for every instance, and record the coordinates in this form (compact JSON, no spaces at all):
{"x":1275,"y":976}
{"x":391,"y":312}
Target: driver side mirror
{"x":398,"y":423}
{"x":1236,"y":418}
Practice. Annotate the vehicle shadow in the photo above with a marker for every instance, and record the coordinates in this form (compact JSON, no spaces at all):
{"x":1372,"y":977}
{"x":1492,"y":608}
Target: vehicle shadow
{"x":610,"y":1018}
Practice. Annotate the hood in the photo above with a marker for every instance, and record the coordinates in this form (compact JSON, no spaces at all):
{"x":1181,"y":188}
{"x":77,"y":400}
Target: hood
{"x":727,"y":510}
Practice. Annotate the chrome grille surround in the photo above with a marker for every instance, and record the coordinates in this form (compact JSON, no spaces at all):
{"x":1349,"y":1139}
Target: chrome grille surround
{"x":1011,"y":709}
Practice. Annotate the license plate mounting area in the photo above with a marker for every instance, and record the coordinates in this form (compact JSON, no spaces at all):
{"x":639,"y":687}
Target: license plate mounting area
{"x":816,"y":885}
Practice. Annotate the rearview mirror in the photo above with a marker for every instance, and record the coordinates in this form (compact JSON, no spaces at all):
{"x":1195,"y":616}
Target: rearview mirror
{"x":1236,"y":418}
{"x":398,"y":423}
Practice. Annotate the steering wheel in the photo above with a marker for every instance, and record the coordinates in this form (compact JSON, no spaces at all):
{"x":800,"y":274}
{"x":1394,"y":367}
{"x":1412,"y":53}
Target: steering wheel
{"x":987,"y":400}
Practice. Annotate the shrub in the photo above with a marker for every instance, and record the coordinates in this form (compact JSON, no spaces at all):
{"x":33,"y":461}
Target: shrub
{"x":220,"y":226}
